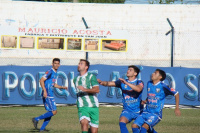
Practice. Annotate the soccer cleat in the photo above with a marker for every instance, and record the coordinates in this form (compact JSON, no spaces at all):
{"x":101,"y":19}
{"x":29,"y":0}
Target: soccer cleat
{"x":152,"y":131}
{"x":34,"y":123}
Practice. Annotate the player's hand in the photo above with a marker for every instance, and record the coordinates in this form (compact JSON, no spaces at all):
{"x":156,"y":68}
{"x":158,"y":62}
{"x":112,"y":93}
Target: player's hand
{"x":123,"y":80}
{"x":81,"y":88}
{"x":64,"y":87}
{"x":143,"y":102}
{"x":177,"y":112}
{"x":45,"y":94}
{"x":99,"y":81}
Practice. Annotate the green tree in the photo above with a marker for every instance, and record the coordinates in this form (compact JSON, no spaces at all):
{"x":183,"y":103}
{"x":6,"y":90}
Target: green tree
{"x":162,"y":1}
{"x":58,"y":0}
{"x":102,"y":1}
{"x":88,"y":1}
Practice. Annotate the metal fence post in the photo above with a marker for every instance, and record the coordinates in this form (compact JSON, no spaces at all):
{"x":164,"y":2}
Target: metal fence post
{"x":172,"y":41}
{"x":86,"y":26}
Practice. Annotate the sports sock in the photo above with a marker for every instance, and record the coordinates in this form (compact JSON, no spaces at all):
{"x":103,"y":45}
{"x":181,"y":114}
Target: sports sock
{"x":46,"y":115}
{"x":84,"y":131}
{"x":45,"y":123}
{"x":143,"y":130}
{"x":135,"y":130}
{"x":123,"y":127}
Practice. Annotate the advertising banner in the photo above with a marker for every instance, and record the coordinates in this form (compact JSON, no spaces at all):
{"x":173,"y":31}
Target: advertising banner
{"x":63,"y":39}
{"x":20,"y":84}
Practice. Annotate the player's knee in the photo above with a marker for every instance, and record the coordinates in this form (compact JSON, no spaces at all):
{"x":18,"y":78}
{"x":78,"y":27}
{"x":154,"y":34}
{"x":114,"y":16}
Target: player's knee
{"x":134,"y":126}
{"x":54,"y":112}
{"x":93,"y":130}
{"x":84,"y":122}
{"x":123,"y":119}
{"x":145,"y":126}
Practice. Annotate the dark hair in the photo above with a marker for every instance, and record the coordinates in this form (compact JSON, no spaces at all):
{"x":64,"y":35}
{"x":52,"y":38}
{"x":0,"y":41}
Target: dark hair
{"x":162,"y":73}
{"x":136,"y":69}
{"x":56,"y":59}
{"x":86,"y":62}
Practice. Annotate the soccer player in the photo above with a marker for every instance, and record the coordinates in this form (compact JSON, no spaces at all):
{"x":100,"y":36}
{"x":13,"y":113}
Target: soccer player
{"x":47,"y":83}
{"x":132,"y":96}
{"x":156,"y":93}
{"x":87,"y":102}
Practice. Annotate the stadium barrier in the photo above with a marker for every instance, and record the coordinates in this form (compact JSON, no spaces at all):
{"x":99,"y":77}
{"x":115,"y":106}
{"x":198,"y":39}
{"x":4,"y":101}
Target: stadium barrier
{"x":20,"y":84}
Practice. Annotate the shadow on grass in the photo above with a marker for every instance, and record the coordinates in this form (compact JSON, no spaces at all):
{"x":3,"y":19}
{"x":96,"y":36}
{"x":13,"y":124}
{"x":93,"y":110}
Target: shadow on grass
{"x":36,"y":130}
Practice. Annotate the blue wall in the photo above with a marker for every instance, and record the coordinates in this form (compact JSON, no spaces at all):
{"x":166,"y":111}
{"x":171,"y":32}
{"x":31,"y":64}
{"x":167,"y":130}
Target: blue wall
{"x":20,"y":84}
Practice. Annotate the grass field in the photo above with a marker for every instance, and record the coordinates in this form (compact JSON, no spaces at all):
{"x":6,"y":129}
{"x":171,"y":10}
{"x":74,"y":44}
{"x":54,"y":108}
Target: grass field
{"x":18,"y":119}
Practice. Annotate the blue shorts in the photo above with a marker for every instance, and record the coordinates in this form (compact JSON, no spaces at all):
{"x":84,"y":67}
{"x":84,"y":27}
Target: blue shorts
{"x":148,"y":118}
{"x":49,"y":104}
{"x":129,"y":115}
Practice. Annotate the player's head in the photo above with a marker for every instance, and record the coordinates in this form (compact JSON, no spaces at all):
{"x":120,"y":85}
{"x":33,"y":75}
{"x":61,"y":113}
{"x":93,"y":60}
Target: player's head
{"x":56,"y":63}
{"x":83,"y":65}
{"x":132,"y":71}
{"x":158,"y":75}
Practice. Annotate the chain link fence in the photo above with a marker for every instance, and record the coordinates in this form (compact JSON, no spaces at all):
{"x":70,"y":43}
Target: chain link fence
{"x":147,"y":44}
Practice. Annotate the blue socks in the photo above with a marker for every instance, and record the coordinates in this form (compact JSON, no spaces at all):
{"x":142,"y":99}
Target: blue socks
{"x":123,"y":128}
{"x":47,"y":117}
{"x":135,"y":130}
{"x":44,"y":116}
{"x":45,"y":123}
{"x":143,"y":130}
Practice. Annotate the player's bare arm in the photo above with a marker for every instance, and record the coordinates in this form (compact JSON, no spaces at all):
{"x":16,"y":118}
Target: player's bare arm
{"x":106,"y":83}
{"x":177,"y":110}
{"x":43,"y":87}
{"x":137,"y":88}
{"x":60,"y":87}
{"x":94,"y":89}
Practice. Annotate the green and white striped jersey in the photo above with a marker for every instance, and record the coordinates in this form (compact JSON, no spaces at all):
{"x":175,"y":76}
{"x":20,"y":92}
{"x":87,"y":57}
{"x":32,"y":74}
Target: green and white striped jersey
{"x":86,"y":99}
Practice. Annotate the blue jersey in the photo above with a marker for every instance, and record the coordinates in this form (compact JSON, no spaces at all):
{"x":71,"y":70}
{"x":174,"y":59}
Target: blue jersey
{"x":131,"y":99}
{"x":51,"y":77}
{"x":156,"y":97}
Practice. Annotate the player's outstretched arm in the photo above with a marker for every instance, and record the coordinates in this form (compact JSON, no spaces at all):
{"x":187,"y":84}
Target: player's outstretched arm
{"x":60,"y":87}
{"x":106,"y":83}
{"x":43,"y":87}
{"x":137,"y":88}
{"x":177,"y":110}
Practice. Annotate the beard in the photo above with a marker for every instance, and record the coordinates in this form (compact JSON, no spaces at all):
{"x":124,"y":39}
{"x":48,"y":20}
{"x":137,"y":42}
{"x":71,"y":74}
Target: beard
{"x":78,"y":69}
